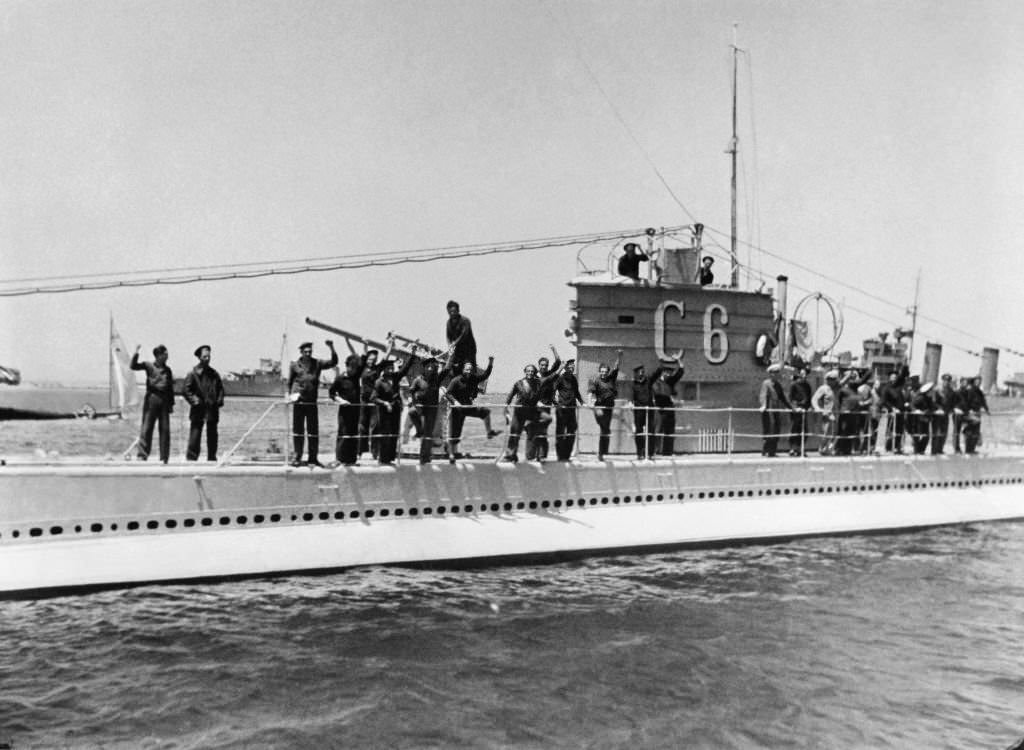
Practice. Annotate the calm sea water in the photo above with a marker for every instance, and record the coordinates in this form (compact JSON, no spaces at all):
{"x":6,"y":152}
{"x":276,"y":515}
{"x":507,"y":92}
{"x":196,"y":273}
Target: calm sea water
{"x":901,"y":641}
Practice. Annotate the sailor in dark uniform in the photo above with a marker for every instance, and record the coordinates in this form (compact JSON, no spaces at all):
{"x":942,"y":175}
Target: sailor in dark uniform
{"x":602,"y":390}
{"x":425,"y":393}
{"x":973,"y":403}
{"x":304,"y":376}
{"x":459,"y":335}
{"x":629,"y":264}
{"x":522,"y":412}
{"x":547,"y":374}
{"x":368,"y":410}
{"x":643,"y":412}
{"x":387,"y":397}
{"x":462,"y":390}
{"x":800,"y":401}
{"x":346,"y":392}
{"x":704,"y":274}
{"x":947,"y":402}
{"x":664,"y":390}
{"x":567,"y":396}
{"x":204,"y":391}
{"x":158,"y":404}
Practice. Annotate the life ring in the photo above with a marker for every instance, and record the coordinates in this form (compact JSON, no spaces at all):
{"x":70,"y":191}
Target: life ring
{"x":766,"y":343}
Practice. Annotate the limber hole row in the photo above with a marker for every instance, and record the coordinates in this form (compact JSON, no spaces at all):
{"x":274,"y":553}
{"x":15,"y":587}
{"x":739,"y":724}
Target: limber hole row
{"x":440,"y":510}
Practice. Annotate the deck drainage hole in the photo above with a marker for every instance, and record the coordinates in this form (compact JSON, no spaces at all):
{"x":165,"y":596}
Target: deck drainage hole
{"x":35,"y":532}
{"x":370,"y":514}
{"x":384,"y":512}
{"x":96,"y":527}
{"x":440,"y":511}
{"x":324,"y":515}
{"x":132,"y":526}
{"x":558,"y":503}
{"x":152,"y":524}
{"x":275,"y":517}
{"x":307,"y":516}
{"x":188,"y":523}
{"x":399,"y":511}
{"x":207,"y":522}
{"x":55,"y":530}
{"x":170,"y":523}
{"x":256,"y":519}
{"x":508,"y":506}
{"x":355,"y":514}
{"x":224,"y":521}
{"x":426,"y":511}
{"x":414,"y":511}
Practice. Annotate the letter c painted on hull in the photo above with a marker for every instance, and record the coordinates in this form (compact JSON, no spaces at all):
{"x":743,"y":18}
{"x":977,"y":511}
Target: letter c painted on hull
{"x":659,"y":328}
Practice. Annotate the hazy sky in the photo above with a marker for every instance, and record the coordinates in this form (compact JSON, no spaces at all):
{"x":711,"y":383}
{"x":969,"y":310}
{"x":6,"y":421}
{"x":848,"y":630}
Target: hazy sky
{"x":877,"y":139}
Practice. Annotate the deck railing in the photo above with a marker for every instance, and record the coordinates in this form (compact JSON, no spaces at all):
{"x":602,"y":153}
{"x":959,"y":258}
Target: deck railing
{"x":266,"y":434}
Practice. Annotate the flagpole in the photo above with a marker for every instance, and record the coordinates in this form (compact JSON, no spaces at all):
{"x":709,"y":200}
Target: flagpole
{"x":110,"y":362}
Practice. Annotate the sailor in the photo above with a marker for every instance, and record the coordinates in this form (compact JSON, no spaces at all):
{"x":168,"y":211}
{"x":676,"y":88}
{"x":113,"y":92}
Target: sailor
{"x":345,"y":391}
{"x":424,"y":396}
{"x":664,"y":391}
{"x":522,"y":413}
{"x":629,"y":264}
{"x":158,"y":404}
{"x":704,"y":274}
{"x":602,"y":391}
{"x":204,"y":392}
{"x":825,"y":402}
{"x":922,"y":408}
{"x":304,"y":377}
{"x":643,"y":412}
{"x":567,"y":396}
{"x":368,"y":410}
{"x":973,"y":402}
{"x":800,"y":402}
{"x":461,"y":392}
{"x":894,"y":405}
{"x":771,"y":401}
{"x":387,"y":397}
{"x":459,"y":334}
{"x":547,"y":374}
{"x":947,"y":402}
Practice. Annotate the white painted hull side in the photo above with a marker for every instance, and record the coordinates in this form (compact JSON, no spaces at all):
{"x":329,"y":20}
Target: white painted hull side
{"x":328,"y":520}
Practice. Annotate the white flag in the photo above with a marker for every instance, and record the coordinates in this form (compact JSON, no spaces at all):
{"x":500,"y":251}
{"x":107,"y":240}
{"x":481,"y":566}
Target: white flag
{"x":122,"y":378}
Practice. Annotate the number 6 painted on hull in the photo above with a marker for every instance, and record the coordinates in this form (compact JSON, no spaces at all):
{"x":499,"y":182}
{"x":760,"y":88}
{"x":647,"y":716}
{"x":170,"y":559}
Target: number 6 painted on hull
{"x":714,"y":338}
{"x":711,"y":334}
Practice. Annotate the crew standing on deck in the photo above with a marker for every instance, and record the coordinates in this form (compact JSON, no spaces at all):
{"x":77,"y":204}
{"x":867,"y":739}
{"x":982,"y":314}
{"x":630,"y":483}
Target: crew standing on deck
{"x":204,"y":391}
{"x":345,"y":391}
{"x":304,"y":377}
{"x":973,"y":403}
{"x":567,"y":396}
{"x":602,"y":391}
{"x":800,"y":401}
{"x":158,"y":404}
{"x":425,"y":395}
{"x":522,"y":413}
{"x":772,"y":400}
{"x":387,"y":397}
{"x":462,"y":390}
{"x":664,"y":389}
{"x":947,"y":402}
{"x":643,"y":412}
{"x":547,"y":374}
